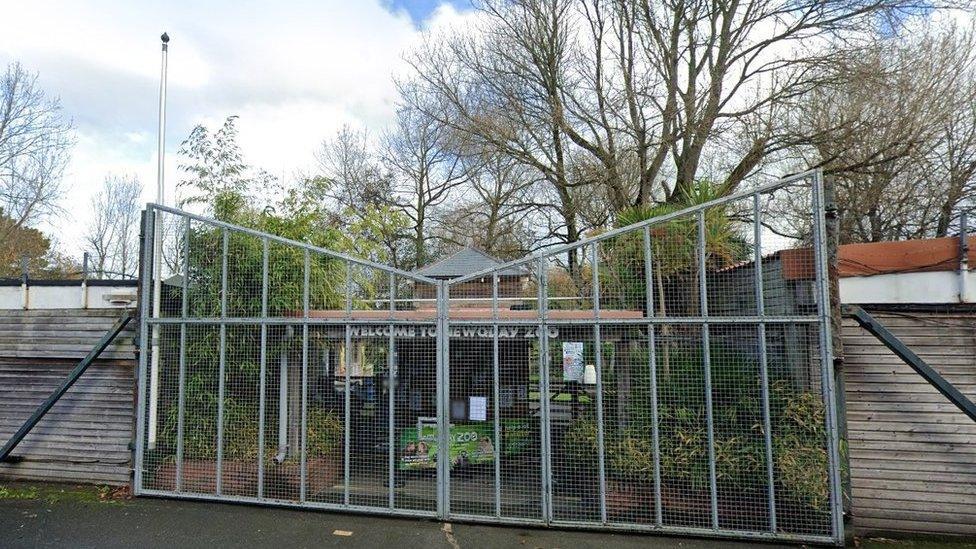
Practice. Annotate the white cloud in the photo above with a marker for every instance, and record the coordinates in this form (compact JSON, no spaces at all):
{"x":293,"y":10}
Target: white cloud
{"x":293,"y":72}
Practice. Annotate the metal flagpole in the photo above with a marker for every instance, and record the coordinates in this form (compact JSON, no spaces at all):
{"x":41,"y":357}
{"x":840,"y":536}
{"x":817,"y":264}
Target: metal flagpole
{"x":157,"y":252}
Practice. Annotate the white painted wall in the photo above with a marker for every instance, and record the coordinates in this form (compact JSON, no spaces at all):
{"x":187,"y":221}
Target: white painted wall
{"x":67,"y":297}
{"x":933,"y":287}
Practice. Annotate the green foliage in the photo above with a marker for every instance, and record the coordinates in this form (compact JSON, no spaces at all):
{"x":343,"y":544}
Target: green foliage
{"x":674,"y":246}
{"x":800,"y":464}
{"x":29,"y":492}
{"x":580,"y":442}
{"x":325,"y":433}
{"x":216,"y":166}
{"x":325,"y":429}
{"x":799,"y":435}
{"x":221,"y":183}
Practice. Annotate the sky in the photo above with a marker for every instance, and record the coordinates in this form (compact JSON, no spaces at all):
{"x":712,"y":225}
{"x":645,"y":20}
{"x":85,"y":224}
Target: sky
{"x":294,"y":72}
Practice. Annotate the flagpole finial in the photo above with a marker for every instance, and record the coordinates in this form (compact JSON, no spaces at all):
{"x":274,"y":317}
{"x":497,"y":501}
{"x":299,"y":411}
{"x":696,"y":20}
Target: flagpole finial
{"x":165,"y":39}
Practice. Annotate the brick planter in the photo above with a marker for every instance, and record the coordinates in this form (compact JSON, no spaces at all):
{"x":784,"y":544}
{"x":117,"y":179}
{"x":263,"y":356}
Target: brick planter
{"x":241,"y":477}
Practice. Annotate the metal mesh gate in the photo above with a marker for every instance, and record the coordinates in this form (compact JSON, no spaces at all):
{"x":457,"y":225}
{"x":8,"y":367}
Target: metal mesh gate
{"x":672,"y":376}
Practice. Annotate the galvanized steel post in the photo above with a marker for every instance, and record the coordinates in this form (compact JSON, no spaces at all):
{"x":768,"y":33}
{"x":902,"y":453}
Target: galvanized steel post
{"x":598,"y":359}
{"x":826,"y":358}
{"x":221,"y":387}
{"x":262,"y":378}
{"x":763,"y":361}
{"x":707,"y":365}
{"x":652,"y":360}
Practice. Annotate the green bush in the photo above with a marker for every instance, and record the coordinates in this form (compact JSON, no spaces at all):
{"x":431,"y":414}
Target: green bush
{"x":325,"y":433}
{"x":245,"y":255}
{"x":799,"y":434}
{"x":799,"y":450}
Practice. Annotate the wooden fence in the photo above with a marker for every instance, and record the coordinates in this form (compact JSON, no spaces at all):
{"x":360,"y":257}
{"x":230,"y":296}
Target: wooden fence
{"x":86,"y":437}
{"x":912,"y":453}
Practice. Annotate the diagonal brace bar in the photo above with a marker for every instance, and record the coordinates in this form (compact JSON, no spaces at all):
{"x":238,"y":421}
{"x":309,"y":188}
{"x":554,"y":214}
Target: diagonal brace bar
{"x":46,"y":406}
{"x":898,"y":347}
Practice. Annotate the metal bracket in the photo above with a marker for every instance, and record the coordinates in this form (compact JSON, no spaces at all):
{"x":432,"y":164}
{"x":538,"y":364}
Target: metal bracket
{"x":898,"y":347}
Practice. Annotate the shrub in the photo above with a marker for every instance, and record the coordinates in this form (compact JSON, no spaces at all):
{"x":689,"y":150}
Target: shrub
{"x":799,"y":447}
{"x":325,"y":433}
{"x":799,"y":434}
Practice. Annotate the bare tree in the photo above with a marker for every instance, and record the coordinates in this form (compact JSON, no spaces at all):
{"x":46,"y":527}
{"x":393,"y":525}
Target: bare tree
{"x":113,"y":233}
{"x":616,"y":103}
{"x":500,"y":86}
{"x":350,"y":174}
{"x":425,"y":168}
{"x":494,"y":215}
{"x":951,"y":164}
{"x":351,"y":179}
{"x":722,"y":69}
{"x":903,"y":160}
{"x":34,"y":144}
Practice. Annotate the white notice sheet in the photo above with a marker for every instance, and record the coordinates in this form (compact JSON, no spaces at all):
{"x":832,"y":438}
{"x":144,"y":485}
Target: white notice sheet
{"x":478,"y":408}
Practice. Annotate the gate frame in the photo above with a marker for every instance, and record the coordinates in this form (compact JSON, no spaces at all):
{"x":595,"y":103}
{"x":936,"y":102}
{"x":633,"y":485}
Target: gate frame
{"x":760,"y":319}
{"x":442,"y":356}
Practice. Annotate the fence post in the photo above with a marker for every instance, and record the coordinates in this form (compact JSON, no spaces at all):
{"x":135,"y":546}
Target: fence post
{"x":828,"y":381}
{"x":222,"y":363}
{"x":598,"y":360}
{"x":832,"y":245}
{"x":303,"y":473}
{"x":263,"y":359}
{"x":652,"y":362}
{"x":146,"y":249}
{"x":707,"y":365}
{"x":347,"y":381}
{"x":181,"y":381}
{"x":84,"y":280}
{"x":391,"y":374}
{"x":443,"y":403}
{"x":545,"y":438}
{"x":496,"y":401}
{"x":758,"y":280}
{"x":24,"y":275}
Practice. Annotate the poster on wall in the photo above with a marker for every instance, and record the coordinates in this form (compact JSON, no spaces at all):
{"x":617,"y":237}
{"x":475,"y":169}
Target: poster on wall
{"x":573,"y":361}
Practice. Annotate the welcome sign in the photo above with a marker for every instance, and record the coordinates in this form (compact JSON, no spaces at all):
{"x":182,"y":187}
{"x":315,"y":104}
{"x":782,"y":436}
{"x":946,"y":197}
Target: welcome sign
{"x":457,"y":332}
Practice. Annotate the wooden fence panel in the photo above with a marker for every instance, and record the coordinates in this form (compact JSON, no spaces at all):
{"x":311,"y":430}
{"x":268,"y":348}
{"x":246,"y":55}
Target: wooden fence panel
{"x":912,"y":453}
{"x":86,"y":436}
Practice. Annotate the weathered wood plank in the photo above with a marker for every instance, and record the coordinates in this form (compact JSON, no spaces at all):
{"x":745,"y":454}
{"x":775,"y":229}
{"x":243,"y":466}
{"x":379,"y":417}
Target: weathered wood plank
{"x":912,"y":453}
{"x":914,"y":492}
{"x":953,"y":474}
{"x":86,"y":436}
{"x":883,"y":524}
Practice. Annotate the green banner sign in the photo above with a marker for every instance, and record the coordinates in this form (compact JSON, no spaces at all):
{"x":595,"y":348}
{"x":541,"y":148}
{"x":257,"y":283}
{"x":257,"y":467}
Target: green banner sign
{"x":470,"y":444}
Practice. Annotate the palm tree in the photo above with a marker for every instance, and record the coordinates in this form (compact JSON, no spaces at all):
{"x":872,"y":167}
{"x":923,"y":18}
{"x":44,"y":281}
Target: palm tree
{"x":674,"y":246}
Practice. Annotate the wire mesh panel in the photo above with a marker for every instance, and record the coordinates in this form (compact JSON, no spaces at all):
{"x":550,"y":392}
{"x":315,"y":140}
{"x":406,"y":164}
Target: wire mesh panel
{"x":494,"y":397}
{"x":274,"y":371}
{"x":683,"y":379}
{"x":672,"y":375}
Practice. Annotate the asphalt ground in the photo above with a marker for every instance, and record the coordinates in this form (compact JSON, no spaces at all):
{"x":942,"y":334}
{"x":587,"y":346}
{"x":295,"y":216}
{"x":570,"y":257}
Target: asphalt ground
{"x":44,"y":515}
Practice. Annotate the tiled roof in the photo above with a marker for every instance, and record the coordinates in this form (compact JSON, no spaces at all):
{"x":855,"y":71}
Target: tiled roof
{"x":465,"y":261}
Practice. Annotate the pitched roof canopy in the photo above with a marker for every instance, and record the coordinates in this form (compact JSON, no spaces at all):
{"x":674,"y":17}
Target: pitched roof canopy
{"x":465,"y":261}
